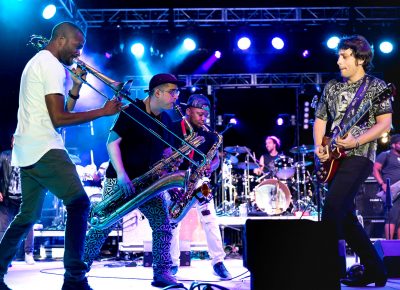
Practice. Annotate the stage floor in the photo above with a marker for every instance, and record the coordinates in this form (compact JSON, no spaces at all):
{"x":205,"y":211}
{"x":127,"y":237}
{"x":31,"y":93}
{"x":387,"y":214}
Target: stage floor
{"x":46,"y":275}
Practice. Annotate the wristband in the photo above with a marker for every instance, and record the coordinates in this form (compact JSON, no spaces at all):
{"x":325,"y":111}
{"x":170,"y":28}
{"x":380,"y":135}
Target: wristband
{"x":72,"y":96}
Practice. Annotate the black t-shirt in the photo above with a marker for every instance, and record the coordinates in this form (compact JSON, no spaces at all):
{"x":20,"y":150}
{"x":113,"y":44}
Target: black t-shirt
{"x":269,"y":165}
{"x":140,"y":149}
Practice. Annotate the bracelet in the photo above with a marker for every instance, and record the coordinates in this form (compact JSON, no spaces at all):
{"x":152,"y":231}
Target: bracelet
{"x":72,"y":96}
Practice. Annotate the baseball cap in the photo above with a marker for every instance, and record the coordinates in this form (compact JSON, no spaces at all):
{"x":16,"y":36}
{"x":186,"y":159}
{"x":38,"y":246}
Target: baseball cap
{"x":395,"y":139}
{"x":160,"y":79}
{"x":199,"y":101}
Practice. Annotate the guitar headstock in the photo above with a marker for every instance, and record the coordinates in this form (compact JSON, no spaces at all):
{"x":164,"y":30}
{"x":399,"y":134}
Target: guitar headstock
{"x":387,"y":93}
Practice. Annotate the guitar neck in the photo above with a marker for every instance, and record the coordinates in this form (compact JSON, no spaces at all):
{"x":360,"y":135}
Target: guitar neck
{"x":355,"y":119}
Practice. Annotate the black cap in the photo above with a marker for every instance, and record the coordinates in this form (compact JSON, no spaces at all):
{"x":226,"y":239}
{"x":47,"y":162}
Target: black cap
{"x":395,"y":139}
{"x":160,"y":79}
{"x":199,"y":101}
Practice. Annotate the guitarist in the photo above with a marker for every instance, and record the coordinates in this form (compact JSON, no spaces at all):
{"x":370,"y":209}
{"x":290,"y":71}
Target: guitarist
{"x":354,"y":59}
{"x":387,"y":165}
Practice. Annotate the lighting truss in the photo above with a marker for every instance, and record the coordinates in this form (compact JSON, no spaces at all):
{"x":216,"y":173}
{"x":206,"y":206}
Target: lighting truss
{"x":161,"y":17}
{"x":72,"y":10}
{"x":243,"y":81}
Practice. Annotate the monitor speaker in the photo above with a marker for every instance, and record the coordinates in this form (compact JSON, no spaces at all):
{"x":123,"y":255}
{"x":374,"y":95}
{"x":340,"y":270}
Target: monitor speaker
{"x":291,"y":254}
{"x":389,"y":251}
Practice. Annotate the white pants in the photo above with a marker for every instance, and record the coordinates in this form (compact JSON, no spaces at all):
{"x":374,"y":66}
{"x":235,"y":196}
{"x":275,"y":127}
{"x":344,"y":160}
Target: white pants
{"x":212,"y":233}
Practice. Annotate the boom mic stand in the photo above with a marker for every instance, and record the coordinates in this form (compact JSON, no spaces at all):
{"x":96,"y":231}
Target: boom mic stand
{"x":388,"y":203}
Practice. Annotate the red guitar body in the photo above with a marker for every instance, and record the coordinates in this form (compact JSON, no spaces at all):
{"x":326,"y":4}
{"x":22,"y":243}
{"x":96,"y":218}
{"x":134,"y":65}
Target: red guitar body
{"x":326,"y":170}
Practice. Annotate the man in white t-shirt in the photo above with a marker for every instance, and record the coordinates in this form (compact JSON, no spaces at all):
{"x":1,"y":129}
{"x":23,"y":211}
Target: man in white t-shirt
{"x":40,"y":153}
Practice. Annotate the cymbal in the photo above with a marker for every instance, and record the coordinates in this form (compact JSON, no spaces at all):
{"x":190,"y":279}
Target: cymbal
{"x":303,"y":149}
{"x":244,"y":165}
{"x":231,"y":159}
{"x":306,"y":163}
{"x":75,"y":159}
{"x":236,"y":149}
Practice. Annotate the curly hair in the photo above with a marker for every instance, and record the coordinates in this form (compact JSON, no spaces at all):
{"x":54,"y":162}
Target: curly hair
{"x":361,"y":48}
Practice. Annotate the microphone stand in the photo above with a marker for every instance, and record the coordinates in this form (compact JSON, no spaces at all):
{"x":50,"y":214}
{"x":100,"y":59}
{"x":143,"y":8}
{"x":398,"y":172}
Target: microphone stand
{"x":388,"y":204}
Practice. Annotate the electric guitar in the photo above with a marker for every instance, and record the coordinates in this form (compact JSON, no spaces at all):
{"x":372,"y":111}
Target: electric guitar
{"x":326,"y":170}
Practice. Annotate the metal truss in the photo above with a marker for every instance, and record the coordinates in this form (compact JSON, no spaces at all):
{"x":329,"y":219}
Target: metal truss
{"x":242,"y":81}
{"x":181,"y":17}
{"x":72,"y":10}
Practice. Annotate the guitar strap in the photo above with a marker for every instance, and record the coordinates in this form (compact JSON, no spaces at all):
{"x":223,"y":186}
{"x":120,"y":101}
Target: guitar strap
{"x":355,"y":103}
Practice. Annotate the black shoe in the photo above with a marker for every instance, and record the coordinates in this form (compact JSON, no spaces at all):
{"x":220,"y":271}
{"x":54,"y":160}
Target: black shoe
{"x":165,"y":280}
{"x":72,"y":285}
{"x":3,"y":286}
{"x":364,"y":280}
{"x":221,"y":271}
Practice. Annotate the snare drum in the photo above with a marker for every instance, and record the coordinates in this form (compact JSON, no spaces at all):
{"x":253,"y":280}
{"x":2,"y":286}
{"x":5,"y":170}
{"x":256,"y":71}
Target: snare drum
{"x":284,"y":168}
{"x":272,"y":196}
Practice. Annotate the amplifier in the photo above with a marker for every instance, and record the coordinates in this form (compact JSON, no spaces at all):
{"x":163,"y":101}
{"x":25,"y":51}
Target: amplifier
{"x":367,"y":203}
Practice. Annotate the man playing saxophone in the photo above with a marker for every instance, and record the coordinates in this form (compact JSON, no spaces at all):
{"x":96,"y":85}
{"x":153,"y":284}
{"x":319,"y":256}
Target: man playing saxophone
{"x":198,"y":109}
{"x":132,"y":150}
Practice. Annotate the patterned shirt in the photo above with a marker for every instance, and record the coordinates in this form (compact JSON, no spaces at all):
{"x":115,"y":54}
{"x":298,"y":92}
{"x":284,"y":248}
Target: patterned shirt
{"x":14,"y":186}
{"x":335,"y":100}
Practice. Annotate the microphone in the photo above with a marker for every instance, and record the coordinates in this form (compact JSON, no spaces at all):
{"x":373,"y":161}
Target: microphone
{"x":389,"y":202}
{"x":314,"y":102}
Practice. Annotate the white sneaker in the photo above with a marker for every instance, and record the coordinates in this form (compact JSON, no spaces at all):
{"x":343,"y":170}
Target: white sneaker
{"x":29,"y":259}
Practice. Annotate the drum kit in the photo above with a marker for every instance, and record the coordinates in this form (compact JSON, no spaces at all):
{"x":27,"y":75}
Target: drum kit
{"x":285,"y":188}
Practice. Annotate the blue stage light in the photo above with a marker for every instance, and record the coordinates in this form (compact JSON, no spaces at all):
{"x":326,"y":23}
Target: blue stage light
{"x":244,"y":43}
{"x":49,"y":11}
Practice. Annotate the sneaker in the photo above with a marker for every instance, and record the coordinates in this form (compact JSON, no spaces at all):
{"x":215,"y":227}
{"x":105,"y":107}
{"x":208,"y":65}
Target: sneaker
{"x":3,"y":286}
{"x":221,"y":271}
{"x":80,"y":285}
{"x":174,"y":270}
{"x":29,"y":259}
{"x":165,"y":280}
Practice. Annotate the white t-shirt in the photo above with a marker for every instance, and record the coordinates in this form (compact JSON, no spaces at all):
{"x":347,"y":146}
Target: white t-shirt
{"x":35,"y":134}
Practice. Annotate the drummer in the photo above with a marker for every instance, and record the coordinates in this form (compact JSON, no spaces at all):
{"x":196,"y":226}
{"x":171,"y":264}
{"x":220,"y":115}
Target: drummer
{"x":272,"y":144}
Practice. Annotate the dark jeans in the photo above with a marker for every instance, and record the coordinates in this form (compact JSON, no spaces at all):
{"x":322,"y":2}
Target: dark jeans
{"x":8,"y":210}
{"x":339,"y":210}
{"x":56,"y":173}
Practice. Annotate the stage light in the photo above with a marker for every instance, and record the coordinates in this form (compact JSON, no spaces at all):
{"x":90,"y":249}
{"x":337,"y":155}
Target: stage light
{"x":279,"y":121}
{"x":49,"y":11}
{"x":306,"y":115}
{"x":386,"y":47}
{"x":233,"y":121}
{"x":277,"y":43}
{"x":193,"y":89}
{"x":137,"y":49}
{"x":306,"y":53}
{"x":217,"y":54}
{"x":333,"y":42}
{"x":108,"y":55}
{"x":244,"y":43}
{"x":189,"y":44}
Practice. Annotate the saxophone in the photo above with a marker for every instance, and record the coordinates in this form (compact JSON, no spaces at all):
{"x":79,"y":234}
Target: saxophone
{"x":108,"y":211}
{"x":196,"y":188}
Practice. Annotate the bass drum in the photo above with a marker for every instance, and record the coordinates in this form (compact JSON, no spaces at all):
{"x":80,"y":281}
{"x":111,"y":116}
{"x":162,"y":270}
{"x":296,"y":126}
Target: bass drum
{"x":272,"y":197}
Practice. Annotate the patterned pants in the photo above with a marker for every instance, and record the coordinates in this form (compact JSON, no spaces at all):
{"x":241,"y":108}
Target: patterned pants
{"x":155,"y":211}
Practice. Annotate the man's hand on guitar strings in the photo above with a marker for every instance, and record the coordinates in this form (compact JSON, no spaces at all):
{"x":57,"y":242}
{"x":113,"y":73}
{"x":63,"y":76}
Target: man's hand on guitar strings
{"x":348,"y":142}
{"x":322,"y":152}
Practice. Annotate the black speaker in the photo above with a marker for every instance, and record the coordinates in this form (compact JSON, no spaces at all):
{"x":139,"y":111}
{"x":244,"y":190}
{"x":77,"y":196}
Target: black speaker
{"x":389,"y":251}
{"x":291,"y":254}
{"x":367,"y":203}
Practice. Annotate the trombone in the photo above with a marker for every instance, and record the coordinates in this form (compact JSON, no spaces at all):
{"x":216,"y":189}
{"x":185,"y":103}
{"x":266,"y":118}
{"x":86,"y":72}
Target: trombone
{"x":121,"y":90}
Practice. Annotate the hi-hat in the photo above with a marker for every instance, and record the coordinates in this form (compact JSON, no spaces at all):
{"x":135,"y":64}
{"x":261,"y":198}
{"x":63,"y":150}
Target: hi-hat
{"x":231,"y":159}
{"x":306,"y":163}
{"x":245,"y":165}
{"x":303,"y":149}
{"x":236,"y":149}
